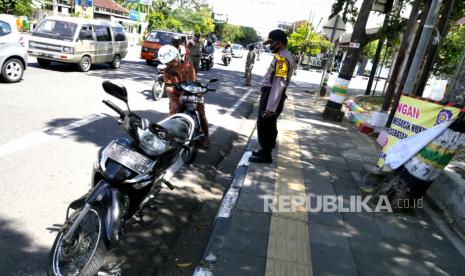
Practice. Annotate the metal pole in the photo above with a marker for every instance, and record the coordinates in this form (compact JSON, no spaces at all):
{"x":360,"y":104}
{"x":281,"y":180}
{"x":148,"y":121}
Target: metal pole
{"x":328,"y":59}
{"x":380,"y":69}
{"x":422,"y":46}
{"x":432,"y":55}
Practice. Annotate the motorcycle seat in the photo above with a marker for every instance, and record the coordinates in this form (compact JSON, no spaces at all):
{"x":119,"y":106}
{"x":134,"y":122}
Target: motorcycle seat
{"x":178,"y":127}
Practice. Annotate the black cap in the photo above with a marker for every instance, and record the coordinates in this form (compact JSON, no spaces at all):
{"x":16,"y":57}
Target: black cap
{"x":276,"y":35}
{"x":197,"y":34}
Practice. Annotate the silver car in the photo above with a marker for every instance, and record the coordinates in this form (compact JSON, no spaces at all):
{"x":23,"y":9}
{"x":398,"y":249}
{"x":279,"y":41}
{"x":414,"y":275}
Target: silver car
{"x":13,"y":54}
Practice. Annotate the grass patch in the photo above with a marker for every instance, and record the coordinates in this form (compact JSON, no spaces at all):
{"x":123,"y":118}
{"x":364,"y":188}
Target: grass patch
{"x":370,"y":103}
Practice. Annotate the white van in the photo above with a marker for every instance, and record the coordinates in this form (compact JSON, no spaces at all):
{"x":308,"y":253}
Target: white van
{"x":78,"y":40}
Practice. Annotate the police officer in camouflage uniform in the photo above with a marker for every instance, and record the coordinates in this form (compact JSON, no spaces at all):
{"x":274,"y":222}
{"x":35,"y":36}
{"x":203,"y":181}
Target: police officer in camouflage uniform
{"x":249,"y":65}
{"x":273,"y":95}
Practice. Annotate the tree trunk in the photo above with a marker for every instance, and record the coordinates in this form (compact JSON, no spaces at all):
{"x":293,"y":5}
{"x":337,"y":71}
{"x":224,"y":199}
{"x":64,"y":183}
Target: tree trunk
{"x":411,"y":181}
{"x":339,"y":92}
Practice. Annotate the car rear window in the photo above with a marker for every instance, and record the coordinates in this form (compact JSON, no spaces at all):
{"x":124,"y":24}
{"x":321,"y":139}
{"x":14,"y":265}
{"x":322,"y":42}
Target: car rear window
{"x":4,"y":28}
{"x":160,"y":37}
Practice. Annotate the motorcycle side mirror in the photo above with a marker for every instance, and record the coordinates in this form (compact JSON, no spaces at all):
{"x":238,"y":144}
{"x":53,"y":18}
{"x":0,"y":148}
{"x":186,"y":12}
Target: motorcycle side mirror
{"x":116,"y":90}
{"x":213,"y":80}
{"x":144,"y":123}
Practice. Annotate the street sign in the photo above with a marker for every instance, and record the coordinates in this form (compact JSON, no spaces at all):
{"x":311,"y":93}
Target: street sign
{"x":354,"y":45}
{"x":334,"y":28}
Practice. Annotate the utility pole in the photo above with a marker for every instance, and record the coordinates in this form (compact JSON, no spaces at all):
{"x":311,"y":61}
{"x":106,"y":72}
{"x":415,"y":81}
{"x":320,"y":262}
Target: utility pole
{"x":434,"y":51}
{"x":401,"y":53}
{"x":422,"y":46}
{"x":379,"y":48}
{"x":406,"y":69}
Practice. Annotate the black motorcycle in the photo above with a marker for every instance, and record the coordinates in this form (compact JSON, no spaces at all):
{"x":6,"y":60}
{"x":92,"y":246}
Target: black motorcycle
{"x":158,"y":87}
{"x":127,"y":176}
{"x":193,"y":94}
{"x":227,"y":56}
{"x":206,"y":61}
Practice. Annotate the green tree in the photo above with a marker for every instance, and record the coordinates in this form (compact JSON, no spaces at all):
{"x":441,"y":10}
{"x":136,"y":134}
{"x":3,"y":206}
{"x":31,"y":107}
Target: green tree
{"x":247,"y":35}
{"x":450,"y":53}
{"x":156,"y":21}
{"x":307,"y":40}
{"x":16,"y":7}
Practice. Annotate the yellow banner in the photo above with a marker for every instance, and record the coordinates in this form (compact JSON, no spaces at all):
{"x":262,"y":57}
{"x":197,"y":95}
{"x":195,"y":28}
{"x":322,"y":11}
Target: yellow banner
{"x":414,"y":116}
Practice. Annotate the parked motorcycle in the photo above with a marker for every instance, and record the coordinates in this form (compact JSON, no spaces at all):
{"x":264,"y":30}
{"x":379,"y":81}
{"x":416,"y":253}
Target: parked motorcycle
{"x":193,"y":94}
{"x":127,"y":175}
{"x":226,"y":58}
{"x":158,"y":87}
{"x":206,"y":61}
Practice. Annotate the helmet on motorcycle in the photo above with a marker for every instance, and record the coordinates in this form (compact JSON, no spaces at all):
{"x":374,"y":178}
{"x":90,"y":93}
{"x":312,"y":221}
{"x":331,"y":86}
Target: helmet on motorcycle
{"x":168,"y":53}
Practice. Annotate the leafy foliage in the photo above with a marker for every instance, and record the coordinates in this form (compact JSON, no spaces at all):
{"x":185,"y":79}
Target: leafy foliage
{"x":450,"y":53}
{"x":16,"y":7}
{"x":306,"y":40}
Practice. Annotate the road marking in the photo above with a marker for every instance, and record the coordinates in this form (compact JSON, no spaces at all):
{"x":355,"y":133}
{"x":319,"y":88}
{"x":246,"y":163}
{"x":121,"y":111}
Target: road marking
{"x":288,"y":241}
{"x":45,"y":135}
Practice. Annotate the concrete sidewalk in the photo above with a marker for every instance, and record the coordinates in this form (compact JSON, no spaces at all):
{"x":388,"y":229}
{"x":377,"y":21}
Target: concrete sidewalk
{"x":315,"y":158}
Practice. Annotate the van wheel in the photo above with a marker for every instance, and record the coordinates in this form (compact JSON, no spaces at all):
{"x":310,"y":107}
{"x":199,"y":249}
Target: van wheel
{"x":116,"y":62}
{"x":43,"y":62}
{"x":85,"y":64}
{"x":149,"y":61}
{"x":12,"y":70}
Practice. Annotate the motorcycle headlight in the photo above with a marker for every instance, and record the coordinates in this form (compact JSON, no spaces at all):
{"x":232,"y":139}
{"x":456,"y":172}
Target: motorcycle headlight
{"x":151,"y":143}
{"x":192,"y":88}
{"x":191,"y":107}
{"x":69,"y":50}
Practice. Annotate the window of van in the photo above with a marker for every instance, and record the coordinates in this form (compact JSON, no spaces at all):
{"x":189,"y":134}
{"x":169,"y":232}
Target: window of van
{"x":56,"y":29}
{"x":118,"y":33}
{"x":103,"y":33}
{"x":4,"y":28}
{"x":86,"y":33}
{"x":160,"y":37}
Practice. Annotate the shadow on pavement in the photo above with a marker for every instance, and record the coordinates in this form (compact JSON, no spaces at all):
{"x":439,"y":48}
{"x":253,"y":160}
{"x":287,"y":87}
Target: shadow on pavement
{"x":21,"y":257}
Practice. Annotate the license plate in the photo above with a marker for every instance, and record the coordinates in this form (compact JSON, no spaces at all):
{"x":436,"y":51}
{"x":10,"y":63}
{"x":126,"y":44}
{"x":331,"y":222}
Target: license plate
{"x":193,"y":99}
{"x":128,"y":158}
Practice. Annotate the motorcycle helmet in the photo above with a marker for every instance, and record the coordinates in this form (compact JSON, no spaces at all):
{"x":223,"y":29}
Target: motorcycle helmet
{"x":176,"y":41}
{"x":168,"y":53}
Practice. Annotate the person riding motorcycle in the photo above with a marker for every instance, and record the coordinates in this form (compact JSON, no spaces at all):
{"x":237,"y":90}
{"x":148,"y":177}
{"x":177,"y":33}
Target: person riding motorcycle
{"x":176,"y":42}
{"x":179,"y":71}
{"x":209,"y":49}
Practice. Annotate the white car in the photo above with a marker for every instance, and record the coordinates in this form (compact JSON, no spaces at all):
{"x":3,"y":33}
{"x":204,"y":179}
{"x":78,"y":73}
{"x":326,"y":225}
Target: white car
{"x":13,"y":54}
{"x":237,"y":50}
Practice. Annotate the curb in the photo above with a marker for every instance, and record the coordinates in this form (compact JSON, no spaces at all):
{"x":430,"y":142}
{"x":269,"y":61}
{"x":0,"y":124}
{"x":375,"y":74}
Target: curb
{"x":223,"y":216}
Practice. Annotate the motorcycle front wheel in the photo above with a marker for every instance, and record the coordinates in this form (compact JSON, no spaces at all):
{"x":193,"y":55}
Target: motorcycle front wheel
{"x":84,"y":253}
{"x":157,"y":90}
{"x":188,"y":156}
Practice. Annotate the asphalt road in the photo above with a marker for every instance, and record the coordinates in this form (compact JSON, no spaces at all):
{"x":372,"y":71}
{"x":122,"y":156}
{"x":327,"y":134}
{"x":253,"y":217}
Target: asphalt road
{"x":51,"y":125}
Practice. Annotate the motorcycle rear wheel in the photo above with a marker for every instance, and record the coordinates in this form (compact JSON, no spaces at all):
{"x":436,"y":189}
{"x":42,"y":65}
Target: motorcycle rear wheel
{"x":84,"y":254}
{"x":157,"y":90}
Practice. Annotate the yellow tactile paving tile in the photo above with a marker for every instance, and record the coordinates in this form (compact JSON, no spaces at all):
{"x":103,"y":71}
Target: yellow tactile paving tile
{"x":288,"y":242}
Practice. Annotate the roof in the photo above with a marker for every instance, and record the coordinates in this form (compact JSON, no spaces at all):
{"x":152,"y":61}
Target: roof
{"x":79,"y":20}
{"x":109,"y":5}
{"x":345,"y":38}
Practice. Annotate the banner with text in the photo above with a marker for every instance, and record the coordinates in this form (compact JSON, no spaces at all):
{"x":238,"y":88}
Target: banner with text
{"x":413,"y":116}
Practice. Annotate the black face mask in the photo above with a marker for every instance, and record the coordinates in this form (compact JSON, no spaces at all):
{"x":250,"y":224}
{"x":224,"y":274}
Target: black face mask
{"x":274,"y":47}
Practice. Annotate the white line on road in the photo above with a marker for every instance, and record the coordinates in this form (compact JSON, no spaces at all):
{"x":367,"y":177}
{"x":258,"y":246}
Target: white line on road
{"x":45,"y":135}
